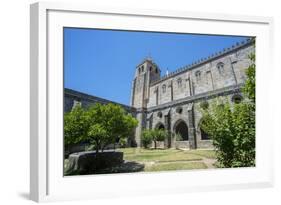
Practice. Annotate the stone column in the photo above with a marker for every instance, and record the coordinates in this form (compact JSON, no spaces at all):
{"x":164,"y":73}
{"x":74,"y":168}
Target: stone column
{"x":168,"y":140}
{"x":191,"y":129}
{"x":141,"y":117}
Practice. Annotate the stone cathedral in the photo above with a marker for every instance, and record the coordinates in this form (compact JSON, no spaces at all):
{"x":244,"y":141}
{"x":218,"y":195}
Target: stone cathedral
{"x":173,"y":101}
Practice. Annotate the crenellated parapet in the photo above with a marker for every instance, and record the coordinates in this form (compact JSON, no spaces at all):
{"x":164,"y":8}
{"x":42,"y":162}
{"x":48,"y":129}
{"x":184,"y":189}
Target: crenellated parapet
{"x":207,"y":59}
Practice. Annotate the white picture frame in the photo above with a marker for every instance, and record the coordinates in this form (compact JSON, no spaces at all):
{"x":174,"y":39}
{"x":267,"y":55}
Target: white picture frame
{"x":47,"y":182}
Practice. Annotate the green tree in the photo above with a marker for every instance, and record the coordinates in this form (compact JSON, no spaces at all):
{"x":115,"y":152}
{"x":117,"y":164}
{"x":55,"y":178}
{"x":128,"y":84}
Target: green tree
{"x":153,"y":135}
{"x":99,"y":124}
{"x":75,"y":126}
{"x":232,"y":126}
{"x":249,"y":88}
{"x":146,"y":138}
{"x":97,"y":135}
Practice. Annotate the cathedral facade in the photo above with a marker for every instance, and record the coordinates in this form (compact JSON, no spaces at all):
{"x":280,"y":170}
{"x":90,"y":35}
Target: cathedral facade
{"x":174,"y":101}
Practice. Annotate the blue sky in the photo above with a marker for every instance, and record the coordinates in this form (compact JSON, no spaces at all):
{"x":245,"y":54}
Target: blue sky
{"x":103,"y":62}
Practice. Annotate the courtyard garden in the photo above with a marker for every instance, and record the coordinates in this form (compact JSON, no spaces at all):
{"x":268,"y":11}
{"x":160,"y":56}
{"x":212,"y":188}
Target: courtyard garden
{"x":151,"y":160}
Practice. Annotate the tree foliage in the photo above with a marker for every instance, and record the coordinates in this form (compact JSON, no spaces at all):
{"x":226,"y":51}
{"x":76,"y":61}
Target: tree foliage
{"x":249,"y":89}
{"x":232,"y":126}
{"x":100,"y":125}
{"x":153,"y":135}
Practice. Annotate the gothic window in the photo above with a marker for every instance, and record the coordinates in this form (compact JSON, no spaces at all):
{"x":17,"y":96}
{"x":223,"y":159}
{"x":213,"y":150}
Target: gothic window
{"x":179,"y":82}
{"x":198,"y":75}
{"x":142,"y":69}
{"x":220,"y":67}
{"x":150,"y":68}
{"x":163,"y":88}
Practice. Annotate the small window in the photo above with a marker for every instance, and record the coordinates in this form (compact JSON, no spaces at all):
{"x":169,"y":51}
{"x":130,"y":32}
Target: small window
{"x":236,"y":98}
{"x":163,"y":88}
{"x":150,"y":68}
{"x":179,"y":82}
{"x":142,"y":69}
{"x":220,"y":67}
{"x":159,"y":114}
{"x":179,"y":110}
{"x":198,"y":75}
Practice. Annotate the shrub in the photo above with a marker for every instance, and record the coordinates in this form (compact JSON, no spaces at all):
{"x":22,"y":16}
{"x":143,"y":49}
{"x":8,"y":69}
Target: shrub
{"x":153,"y":135}
{"x":146,"y":138}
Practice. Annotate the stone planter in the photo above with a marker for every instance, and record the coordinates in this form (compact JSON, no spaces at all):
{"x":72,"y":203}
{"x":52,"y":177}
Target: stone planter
{"x":91,"y":162}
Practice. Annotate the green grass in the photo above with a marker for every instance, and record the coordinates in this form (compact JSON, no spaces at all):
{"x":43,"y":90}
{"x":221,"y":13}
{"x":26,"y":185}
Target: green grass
{"x":175,"y":166}
{"x":211,"y":154}
{"x":168,"y":159}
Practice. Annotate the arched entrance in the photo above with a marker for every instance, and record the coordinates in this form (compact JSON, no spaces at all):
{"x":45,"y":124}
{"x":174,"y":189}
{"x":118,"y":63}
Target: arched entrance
{"x":204,"y":135}
{"x":160,"y":126}
{"x":181,"y":128}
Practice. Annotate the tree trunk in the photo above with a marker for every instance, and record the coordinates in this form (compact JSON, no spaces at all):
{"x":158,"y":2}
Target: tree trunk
{"x":155,"y":144}
{"x":97,"y":148}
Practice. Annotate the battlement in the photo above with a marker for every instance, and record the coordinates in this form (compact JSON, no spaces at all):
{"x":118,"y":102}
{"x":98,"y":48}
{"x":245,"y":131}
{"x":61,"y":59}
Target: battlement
{"x":202,"y":61}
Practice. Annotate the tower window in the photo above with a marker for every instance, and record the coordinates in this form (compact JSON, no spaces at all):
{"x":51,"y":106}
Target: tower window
{"x":142,"y":69}
{"x":220,"y":67}
{"x":150,"y":68}
{"x":163,"y":88}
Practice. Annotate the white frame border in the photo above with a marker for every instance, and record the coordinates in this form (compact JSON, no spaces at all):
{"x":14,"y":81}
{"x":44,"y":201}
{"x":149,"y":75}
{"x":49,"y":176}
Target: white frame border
{"x":39,"y":83}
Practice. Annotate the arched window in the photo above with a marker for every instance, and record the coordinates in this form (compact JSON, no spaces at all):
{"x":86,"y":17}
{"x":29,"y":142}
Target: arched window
{"x":198,"y":75}
{"x":179,"y":82}
{"x":220,"y":67}
{"x":142,"y":69}
{"x":163,"y":88}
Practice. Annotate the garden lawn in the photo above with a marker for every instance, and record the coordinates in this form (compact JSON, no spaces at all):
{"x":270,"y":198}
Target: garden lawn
{"x":170,"y":159}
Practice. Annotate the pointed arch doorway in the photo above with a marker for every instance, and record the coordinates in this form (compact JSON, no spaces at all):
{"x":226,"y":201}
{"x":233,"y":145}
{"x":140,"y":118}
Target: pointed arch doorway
{"x":181,"y":128}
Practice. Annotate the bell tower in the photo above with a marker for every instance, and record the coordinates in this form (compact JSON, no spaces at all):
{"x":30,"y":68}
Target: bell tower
{"x":146,"y":73}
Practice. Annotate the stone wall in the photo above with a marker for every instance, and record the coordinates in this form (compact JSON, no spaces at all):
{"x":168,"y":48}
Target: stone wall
{"x":72,"y":97}
{"x":221,"y":74}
